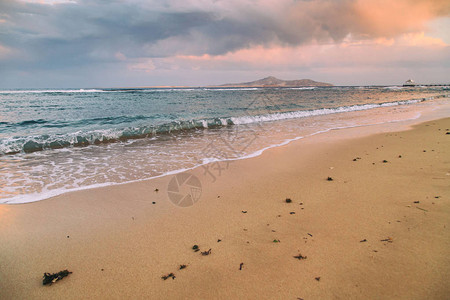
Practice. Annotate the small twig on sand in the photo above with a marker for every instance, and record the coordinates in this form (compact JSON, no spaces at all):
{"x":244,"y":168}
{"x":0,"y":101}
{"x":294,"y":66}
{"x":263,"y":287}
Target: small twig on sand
{"x":389,"y":239}
{"x":421,"y":209}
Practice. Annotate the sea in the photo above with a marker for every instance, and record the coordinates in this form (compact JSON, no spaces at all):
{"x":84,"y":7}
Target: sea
{"x":54,"y":141}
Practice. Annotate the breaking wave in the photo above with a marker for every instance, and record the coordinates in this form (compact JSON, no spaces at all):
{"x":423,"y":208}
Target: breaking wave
{"x":27,"y":144}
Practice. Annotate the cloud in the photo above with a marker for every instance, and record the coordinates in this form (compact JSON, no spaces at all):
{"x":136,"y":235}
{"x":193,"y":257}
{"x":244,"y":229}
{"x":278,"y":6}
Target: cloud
{"x":145,"y":65}
{"x":160,"y":28}
{"x":63,"y":34}
{"x":4,"y":52}
{"x":408,"y":49}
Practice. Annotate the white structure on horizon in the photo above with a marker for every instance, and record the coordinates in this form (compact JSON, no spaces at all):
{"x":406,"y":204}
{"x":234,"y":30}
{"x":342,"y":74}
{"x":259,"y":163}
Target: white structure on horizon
{"x":409,"y":82}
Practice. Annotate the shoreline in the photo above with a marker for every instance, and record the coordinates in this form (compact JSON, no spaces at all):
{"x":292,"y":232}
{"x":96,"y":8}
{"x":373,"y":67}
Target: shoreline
{"x":59,"y":192}
{"x":118,"y":243}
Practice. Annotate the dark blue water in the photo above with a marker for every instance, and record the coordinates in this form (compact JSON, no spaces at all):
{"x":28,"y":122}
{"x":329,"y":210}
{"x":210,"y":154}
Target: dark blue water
{"x":53,"y":141}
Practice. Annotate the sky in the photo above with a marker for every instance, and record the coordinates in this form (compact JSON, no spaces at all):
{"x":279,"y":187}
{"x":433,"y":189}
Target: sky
{"x":118,"y":43}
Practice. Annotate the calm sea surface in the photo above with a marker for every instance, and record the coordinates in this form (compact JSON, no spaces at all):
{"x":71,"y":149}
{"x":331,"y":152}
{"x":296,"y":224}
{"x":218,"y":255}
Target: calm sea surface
{"x":54,"y":141}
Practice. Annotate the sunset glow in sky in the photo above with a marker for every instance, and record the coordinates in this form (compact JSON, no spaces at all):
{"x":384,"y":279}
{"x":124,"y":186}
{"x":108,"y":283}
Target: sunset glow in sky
{"x":98,"y":43}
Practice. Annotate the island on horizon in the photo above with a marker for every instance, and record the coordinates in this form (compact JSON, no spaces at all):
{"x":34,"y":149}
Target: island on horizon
{"x":272,"y":81}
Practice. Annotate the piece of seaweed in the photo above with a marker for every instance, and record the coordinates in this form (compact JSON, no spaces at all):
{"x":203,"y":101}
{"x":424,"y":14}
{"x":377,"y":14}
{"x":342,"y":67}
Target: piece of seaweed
{"x":49,"y":279}
{"x":204,"y":253}
{"x":300,"y":257}
{"x":170,"y":275}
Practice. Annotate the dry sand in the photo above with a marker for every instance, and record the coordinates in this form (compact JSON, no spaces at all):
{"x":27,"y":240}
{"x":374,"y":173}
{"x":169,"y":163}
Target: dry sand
{"x":118,"y":244}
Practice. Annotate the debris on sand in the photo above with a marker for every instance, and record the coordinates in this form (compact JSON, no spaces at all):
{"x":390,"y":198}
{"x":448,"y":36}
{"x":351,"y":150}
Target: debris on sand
{"x":421,"y":209}
{"x":317,"y":278}
{"x":170,"y":275}
{"x":244,"y":211}
{"x":195,"y":248}
{"x":288,"y":200}
{"x":385,"y":161}
{"x":240,"y":266}
{"x":204,"y":253}
{"x":300,"y":257}
{"x":156,"y":190}
{"x":389,"y":239}
{"x":330,"y":178}
{"x":182,"y":267}
{"x":49,"y":279}
{"x":362,"y":241}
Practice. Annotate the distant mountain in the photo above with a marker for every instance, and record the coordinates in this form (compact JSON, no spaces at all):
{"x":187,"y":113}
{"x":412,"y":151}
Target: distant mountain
{"x":275,"y":82}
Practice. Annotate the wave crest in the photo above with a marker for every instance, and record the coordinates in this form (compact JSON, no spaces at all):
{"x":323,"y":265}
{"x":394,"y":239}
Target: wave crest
{"x":29,"y":144}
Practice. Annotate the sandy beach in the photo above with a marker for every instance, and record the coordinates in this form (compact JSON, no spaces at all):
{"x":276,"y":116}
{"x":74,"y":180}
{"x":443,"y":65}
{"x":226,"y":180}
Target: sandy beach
{"x":368,"y":219}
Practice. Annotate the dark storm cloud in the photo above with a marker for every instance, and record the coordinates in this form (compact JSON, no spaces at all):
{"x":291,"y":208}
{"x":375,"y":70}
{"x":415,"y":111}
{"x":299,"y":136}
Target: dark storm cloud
{"x":86,"y":32}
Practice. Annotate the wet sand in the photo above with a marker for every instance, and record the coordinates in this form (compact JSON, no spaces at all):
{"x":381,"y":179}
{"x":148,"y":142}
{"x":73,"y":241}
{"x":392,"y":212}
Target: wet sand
{"x":380,"y":229}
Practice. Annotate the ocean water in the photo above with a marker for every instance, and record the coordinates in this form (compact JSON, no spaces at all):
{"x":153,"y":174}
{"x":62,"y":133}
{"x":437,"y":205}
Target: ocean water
{"x":55,"y":141}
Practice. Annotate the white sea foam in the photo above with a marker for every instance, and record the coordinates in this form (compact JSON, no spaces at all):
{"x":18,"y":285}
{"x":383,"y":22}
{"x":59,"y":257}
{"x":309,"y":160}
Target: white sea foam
{"x":316,"y":112}
{"x":394,"y":87}
{"x":302,"y":88}
{"x":231,"y":89}
{"x":50,"y":91}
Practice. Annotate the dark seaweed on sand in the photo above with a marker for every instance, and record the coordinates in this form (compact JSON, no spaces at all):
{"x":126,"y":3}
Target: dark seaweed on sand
{"x":170,"y":275}
{"x":204,"y":253}
{"x":48,"y":278}
{"x":300,"y":257}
